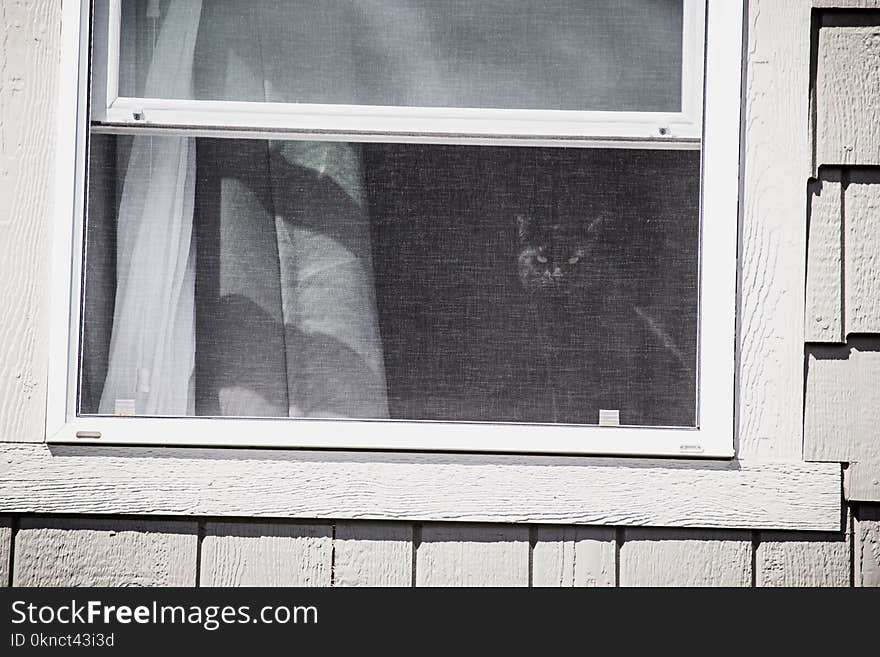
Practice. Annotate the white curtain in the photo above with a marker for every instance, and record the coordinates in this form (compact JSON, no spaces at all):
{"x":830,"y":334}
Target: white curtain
{"x":152,"y":348}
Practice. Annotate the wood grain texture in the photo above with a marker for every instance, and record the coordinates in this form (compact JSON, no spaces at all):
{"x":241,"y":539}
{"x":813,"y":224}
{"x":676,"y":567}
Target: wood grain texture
{"x":97,"y":552}
{"x":843,"y":407}
{"x":861,"y":481}
{"x":473,"y":555}
{"x":29,"y":58}
{"x":863,"y":252}
{"x":5,"y":551}
{"x":660,"y":557}
{"x":848,"y":96}
{"x":803,"y":559}
{"x":574,"y":556}
{"x":777,"y":162}
{"x":373,"y":554}
{"x":266,"y":554}
{"x":823,"y":317}
{"x":866,"y":569}
{"x":418,"y":487}
{"x":847,"y":4}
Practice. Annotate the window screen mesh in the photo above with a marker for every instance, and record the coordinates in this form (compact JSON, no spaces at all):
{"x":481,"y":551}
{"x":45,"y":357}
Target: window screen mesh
{"x":418,"y":282}
{"x":623,"y":55}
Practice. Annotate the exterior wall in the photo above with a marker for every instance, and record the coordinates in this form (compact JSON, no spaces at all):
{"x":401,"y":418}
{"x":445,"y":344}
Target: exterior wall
{"x":838,"y":177}
{"x":184,"y":552}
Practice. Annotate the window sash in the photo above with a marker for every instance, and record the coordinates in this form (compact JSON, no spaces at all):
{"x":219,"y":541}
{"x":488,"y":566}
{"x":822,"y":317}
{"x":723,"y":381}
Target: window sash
{"x":348,"y":122}
{"x":713,"y":437}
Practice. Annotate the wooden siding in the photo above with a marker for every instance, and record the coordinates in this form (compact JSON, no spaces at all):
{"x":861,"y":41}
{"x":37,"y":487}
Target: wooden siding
{"x":773,"y":249}
{"x":420,"y":487}
{"x":861,"y":482}
{"x":862,"y":247}
{"x":866,"y":555}
{"x":266,"y":554}
{"x":29,"y":56}
{"x":841,"y":291}
{"x":140,"y":552}
{"x":848,"y":96}
{"x":824,"y":305}
{"x":846,"y":4}
{"x":842,"y":397}
{"x":373,"y":554}
{"x":663,"y":557}
{"x":800,"y":559}
{"x":93,"y":552}
{"x":472,"y":555}
{"x":574,"y":557}
{"x":5,"y":551}
{"x":843,"y":404}
{"x":843,"y":262}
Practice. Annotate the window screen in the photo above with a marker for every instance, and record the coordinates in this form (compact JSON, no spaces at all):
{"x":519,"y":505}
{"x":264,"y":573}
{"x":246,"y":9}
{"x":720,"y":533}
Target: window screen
{"x":419,"y":282}
{"x":622,"y":55}
{"x":312,"y":276}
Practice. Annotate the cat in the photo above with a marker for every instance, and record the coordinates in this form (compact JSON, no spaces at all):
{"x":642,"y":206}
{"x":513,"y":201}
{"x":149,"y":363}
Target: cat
{"x":557,"y":273}
{"x":555,"y":261}
{"x":591,"y":336}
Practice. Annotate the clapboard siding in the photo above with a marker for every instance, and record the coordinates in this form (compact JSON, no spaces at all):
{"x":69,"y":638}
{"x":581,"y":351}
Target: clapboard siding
{"x":94,"y":552}
{"x":862,"y":480}
{"x":866,"y":569}
{"x":5,"y":551}
{"x":143,"y":552}
{"x":792,"y":559}
{"x":661,"y":557}
{"x":266,"y":554}
{"x":29,"y":57}
{"x":574,"y":556}
{"x":373,"y":554}
{"x":824,"y":312}
{"x":842,"y":396}
{"x":842,"y":404}
{"x":843,"y":222}
{"x":862,"y":244}
{"x":848,"y":96}
{"x":472,"y":555}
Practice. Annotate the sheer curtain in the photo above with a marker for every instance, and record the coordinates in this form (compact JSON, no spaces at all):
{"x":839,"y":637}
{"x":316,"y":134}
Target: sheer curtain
{"x":152,"y":348}
{"x":245,"y":283}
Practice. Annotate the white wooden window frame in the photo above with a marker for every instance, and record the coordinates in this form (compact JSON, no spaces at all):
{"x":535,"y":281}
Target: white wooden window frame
{"x":681,"y":129}
{"x":714,"y":434}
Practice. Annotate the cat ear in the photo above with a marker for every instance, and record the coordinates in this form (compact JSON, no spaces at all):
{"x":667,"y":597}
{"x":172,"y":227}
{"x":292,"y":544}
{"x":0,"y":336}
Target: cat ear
{"x":523,"y":227}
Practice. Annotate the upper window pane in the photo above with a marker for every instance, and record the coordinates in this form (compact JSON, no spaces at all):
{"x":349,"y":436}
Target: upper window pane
{"x":601,"y":55}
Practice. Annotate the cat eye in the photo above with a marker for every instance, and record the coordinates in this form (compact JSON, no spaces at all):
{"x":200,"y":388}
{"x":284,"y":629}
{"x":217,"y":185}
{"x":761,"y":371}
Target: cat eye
{"x":541,"y":259}
{"x":573,"y":260}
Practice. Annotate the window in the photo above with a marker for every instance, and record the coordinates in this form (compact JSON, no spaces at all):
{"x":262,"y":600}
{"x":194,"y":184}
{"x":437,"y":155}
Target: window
{"x":408,"y":224}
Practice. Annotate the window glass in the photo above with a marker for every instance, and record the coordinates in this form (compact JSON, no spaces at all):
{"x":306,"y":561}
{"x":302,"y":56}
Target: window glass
{"x":247,"y":278}
{"x":620,"y":55}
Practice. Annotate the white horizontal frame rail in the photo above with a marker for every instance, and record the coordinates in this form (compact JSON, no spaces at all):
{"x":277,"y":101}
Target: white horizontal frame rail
{"x":353,"y":120}
{"x":713,"y":436}
{"x":68,"y":479}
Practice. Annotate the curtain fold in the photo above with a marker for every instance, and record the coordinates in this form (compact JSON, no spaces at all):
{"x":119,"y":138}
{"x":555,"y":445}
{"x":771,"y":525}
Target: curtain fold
{"x":244,"y":280}
{"x":152,"y":347}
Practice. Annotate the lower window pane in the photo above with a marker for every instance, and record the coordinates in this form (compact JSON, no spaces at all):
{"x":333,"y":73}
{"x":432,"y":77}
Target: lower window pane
{"x":390,"y":281}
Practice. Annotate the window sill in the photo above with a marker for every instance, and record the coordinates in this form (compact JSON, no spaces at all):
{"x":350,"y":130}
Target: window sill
{"x":36,"y":478}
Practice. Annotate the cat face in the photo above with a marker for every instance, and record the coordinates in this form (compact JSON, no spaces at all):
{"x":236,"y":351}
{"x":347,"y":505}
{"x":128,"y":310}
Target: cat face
{"x":553,"y":259}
